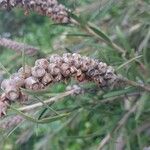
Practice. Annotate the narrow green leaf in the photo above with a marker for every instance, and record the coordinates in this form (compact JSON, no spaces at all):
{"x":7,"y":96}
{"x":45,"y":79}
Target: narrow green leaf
{"x":147,"y":58}
{"x":55,"y":118}
{"x":75,"y":17}
{"x":141,"y":104}
{"x":119,"y":92}
{"x":23,"y":115}
{"x":100,"y":33}
{"x":45,"y":120}
{"x":79,"y":34}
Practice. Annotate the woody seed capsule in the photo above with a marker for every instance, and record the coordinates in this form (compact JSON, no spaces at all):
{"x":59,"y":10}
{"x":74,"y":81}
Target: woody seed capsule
{"x":53,"y":69}
{"x":47,"y":78}
{"x":32,"y":83}
{"x":17,"y":80}
{"x":12,"y":93}
{"x":55,"y":58}
{"x":25,"y":71}
{"x":38,"y":71}
{"x":43,"y":63}
{"x":5,"y":83}
{"x":65,"y":70}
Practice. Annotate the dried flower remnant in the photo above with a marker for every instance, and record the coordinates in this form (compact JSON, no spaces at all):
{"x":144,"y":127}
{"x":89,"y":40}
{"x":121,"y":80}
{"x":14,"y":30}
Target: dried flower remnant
{"x":76,"y":88}
{"x":54,"y":69}
{"x":51,"y":8}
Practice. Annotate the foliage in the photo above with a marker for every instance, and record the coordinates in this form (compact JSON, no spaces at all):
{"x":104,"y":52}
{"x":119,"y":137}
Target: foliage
{"x":118,"y":35}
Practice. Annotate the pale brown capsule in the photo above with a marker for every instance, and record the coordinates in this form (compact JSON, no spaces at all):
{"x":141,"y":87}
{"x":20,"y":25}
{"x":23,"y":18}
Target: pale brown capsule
{"x":109,"y":72}
{"x":102,"y":67}
{"x":17,"y":80}
{"x":81,"y":78}
{"x":65,"y":70}
{"x":38,"y":71}
{"x":77,"y":60}
{"x":53,"y":69}
{"x":79,"y":72}
{"x":12,"y":93}
{"x":67,"y":58}
{"x":92,"y":72}
{"x":43,"y":63}
{"x":47,"y":79}
{"x":73,"y":70}
{"x":58,"y":78}
{"x":32,"y":83}
{"x":55,"y":58}
{"x":5,"y":83}
{"x":25,"y":72}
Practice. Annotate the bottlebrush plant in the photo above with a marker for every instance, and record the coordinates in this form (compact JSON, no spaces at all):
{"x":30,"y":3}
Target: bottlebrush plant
{"x":85,"y":82}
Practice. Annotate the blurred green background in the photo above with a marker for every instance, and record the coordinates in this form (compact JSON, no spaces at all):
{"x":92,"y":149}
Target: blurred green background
{"x":127,"y":23}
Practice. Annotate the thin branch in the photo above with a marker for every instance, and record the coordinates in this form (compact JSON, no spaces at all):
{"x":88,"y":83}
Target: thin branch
{"x":51,"y":100}
{"x":119,"y":125}
{"x":136,"y":84}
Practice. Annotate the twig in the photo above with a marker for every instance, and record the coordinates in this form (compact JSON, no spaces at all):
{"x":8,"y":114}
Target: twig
{"x":121,"y":123}
{"x":51,"y":100}
{"x":135,"y":84}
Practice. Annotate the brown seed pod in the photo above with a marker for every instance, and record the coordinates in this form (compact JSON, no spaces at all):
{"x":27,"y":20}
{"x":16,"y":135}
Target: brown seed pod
{"x":53,"y":69}
{"x":109,"y":72}
{"x":80,"y":76}
{"x":55,"y":58}
{"x":25,"y":72}
{"x":12,"y":93}
{"x":58,"y":78}
{"x":47,"y":78}
{"x":67,"y":58}
{"x":65,"y":70}
{"x":77,"y":60}
{"x":17,"y":80}
{"x":5,"y":83}
{"x":73,"y":70}
{"x":102,"y":67}
{"x":99,"y":80}
{"x":32,"y":83}
{"x":43,"y":63}
{"x":38,"y":71}
{"x":92,"y":72}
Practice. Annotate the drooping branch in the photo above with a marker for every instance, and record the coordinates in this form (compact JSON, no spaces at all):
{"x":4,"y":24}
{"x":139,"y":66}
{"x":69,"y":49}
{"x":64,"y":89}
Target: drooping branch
{"x":51,"y":8}
{"x":18,"y":47}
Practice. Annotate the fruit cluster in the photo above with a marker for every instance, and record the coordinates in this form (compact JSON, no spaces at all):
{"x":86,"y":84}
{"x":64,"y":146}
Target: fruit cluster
{"x":50,"y":8}
{"x":54,"y":69}
{"x":16,"y":46}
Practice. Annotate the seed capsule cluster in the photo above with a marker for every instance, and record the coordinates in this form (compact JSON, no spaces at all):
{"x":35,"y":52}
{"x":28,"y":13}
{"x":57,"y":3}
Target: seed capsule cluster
{"x":54,"y":69}
{"x":16,"y":46}
{"x":50,"y":8}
